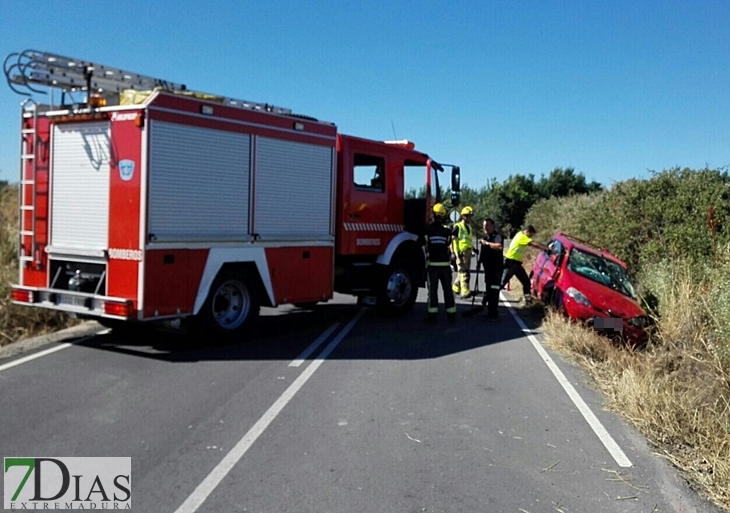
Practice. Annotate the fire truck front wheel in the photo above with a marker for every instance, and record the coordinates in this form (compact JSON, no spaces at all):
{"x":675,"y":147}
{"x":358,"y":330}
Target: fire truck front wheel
{"x":398,"y":289}
{"x":231,"y":308}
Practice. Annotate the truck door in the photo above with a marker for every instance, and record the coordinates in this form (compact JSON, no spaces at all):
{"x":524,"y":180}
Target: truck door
{"x":365,"y":183}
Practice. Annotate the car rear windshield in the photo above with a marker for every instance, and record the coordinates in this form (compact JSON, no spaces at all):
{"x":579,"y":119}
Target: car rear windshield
{"x":601,"y":270}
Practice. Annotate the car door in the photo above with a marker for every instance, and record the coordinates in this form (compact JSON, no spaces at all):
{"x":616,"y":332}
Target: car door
{"x":548,"y":271}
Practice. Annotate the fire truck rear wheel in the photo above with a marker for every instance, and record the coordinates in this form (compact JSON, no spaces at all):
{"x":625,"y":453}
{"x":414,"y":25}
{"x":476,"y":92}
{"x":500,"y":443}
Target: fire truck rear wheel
{"x":231,"y":308}
{"x":398,"y":290}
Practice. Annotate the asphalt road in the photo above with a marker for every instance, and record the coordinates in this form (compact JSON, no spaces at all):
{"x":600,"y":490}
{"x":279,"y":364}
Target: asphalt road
{"x":384,"y":415}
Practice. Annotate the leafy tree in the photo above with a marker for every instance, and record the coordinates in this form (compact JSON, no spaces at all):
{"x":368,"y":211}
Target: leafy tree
{"x":645,"y":221}
{"x":512,"y":199}
{"x":508,"y":202}
{"x":565,"y":182}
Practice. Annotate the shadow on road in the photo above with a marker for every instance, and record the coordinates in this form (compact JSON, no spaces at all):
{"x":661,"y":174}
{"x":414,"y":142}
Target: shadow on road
{"x":284,"y":333}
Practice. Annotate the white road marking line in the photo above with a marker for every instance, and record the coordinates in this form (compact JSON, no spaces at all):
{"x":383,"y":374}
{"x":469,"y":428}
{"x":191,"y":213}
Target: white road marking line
{"x":204,"y":489}
{"x":31,"y":357}
{"x":603,"y":435}
{"x":314,"y":345}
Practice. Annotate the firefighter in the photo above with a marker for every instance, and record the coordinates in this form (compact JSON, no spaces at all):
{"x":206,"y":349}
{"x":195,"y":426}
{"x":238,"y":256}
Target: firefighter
{"x":438,"y":268}
{"x":491,"y":258}
{"x":462,"y":247}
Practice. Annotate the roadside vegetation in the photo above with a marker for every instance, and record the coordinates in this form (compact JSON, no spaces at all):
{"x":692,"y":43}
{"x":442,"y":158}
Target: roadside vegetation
{"x":673,"y":230}
{"x":18,"y":322}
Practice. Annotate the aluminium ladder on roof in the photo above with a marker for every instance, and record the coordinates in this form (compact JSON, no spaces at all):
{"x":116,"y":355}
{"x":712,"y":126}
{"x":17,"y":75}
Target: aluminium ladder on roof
{"x":28,"y":154}
{"x":76,"y":75}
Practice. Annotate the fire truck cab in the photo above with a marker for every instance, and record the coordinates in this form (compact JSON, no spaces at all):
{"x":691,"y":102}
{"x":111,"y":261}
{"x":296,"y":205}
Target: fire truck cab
{"x":144,"y":201}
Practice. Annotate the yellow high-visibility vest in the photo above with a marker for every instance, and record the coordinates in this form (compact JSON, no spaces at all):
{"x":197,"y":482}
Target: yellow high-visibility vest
{"x":463,"y":241}
{"x":517,"y":247}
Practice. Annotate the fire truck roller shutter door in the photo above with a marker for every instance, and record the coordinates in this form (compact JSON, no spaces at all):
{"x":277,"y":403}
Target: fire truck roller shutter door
{"x":187,"y":205}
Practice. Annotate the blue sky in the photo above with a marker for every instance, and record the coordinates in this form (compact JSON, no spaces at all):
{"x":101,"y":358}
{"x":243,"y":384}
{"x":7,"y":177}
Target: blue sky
{"x":612,"y":89}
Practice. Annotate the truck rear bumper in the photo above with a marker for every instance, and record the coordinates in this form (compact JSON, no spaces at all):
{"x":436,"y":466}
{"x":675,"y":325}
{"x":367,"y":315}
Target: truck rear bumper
{"x":73,"y":302}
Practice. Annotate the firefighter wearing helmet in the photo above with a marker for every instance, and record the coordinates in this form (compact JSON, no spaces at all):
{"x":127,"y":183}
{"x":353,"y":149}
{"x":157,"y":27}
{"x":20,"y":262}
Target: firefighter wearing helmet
{"x":462,"y":248}
{"x":438,"y":269}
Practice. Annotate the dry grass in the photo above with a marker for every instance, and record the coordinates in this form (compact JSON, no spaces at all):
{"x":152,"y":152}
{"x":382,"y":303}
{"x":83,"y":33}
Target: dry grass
{"x":18,"y":322}
{"x":675,"y":392}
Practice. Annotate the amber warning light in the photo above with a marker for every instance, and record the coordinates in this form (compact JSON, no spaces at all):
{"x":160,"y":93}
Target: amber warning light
{"x":97,"y":100}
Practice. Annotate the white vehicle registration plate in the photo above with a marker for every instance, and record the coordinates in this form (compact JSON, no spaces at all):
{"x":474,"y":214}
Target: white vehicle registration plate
{"x":71,"y":300}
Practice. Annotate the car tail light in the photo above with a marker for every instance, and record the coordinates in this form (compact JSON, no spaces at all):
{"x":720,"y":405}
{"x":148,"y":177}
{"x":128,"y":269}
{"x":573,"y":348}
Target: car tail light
{"x":22,"y":295}
{"x":120,"y":309}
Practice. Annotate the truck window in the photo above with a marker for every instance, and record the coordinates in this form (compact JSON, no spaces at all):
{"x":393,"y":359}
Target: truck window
{"x":369,"y":173}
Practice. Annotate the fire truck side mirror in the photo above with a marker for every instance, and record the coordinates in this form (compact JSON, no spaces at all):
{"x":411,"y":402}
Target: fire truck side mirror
{"x":455,"y":185}
{"x":455,"y":179}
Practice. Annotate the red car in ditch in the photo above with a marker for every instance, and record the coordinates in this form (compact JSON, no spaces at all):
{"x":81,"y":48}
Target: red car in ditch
{"x":589,"y":285}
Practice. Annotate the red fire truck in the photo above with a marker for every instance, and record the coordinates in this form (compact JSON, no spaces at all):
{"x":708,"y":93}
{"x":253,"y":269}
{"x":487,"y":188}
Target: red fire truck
{"x":141,"y":201}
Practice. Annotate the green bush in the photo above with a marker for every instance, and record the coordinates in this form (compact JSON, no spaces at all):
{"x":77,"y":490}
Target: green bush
{"x":716,"y":303}
{"x":644,"y":221}
{"x":8,"y":224}
{"x":573,"y":215}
